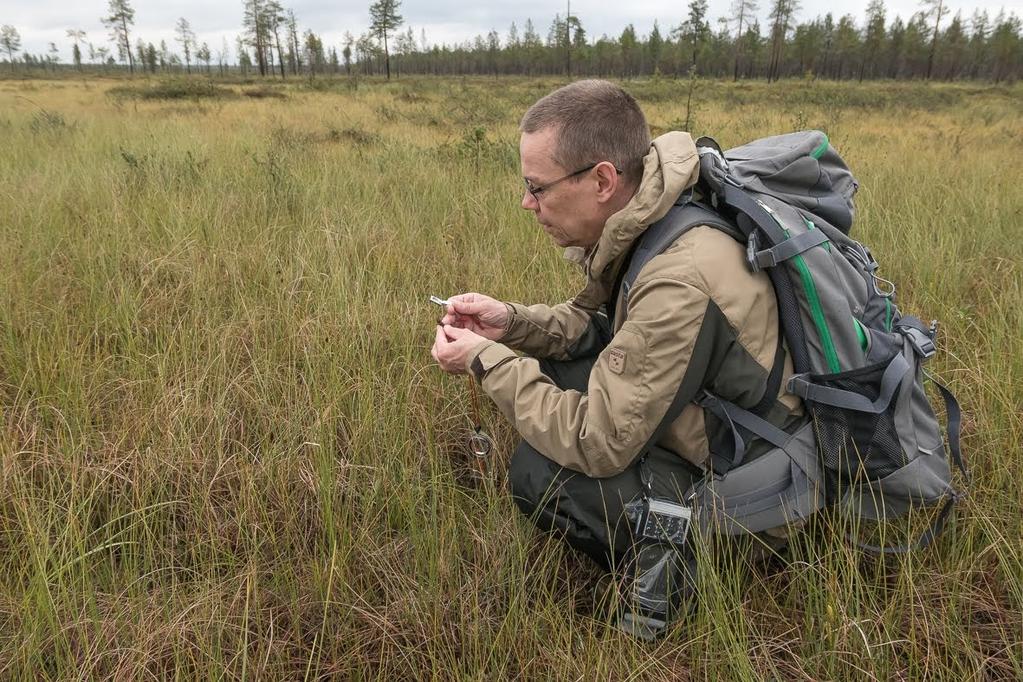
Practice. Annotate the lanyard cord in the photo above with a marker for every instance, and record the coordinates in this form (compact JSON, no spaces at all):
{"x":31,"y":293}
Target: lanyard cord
{"x":474,"y":402}
{"x":480,"y":443}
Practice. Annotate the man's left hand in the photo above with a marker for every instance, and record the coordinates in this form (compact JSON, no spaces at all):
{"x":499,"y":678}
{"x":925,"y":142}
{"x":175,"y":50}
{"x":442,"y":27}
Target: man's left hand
{"x":452,"y":347}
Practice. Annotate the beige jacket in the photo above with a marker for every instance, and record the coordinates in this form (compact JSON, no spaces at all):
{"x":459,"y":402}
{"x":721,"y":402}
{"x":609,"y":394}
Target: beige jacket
{"x":696,"y":316}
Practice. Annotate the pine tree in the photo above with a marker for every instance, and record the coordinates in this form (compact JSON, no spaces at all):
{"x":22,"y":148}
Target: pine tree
{"x":275,"y":17}
{"x":742,"y":11}
{"x":293,"y":46}
{"x":847,"y":40}
{"x":1005,"y":46}
{"x":696,"y":29}
{"x":654,"y":47}
{"x":978,"y":41}
{"x":204,"y":55}
{"x":140,"y":53}
{"x":53,"y":57}
{"x":384,"y":18}
{"x":185,"y":36}
{"x":630,"y":49}
{"x":781,"y":22}
{"x":121,"y":16}
{"x":873,"y":37}
{"x":954,"y":48}
{"x":346,"y":52}
{"x":254,"y":24}
{"x":76,"y":35}
{"x":10,"y":41}
{"x":938,"y":10}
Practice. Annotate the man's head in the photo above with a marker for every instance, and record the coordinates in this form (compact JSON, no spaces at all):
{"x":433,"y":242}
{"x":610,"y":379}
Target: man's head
{"x":581,"y":150}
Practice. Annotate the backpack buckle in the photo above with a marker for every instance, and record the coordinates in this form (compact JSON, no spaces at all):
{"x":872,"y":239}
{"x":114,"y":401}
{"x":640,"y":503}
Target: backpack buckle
{"x":752,"y":245}
{"x":922,"y":344}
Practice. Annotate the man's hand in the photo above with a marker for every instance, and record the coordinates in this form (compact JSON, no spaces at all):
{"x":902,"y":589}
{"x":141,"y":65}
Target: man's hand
{"x":479,"y":314}
{"x":452,"y":347}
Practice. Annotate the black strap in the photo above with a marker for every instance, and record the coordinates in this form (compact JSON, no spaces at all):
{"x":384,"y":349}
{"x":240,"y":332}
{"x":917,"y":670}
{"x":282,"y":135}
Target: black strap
{"x":684,"y":215}
{"x":662,"y":234}
{"x":926,"y":538}
{"x":804,"y":387}
{"x":790,"y":248}
{"x":723,"y":462}
{"x":735,"y":417}
{"x":955,"y":424}
{"x":750,"y":216}
{"x":739,"y":199}
{"x":770,"y":396}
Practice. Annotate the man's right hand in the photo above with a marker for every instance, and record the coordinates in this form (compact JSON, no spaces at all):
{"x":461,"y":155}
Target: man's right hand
{"x":481,"y":314}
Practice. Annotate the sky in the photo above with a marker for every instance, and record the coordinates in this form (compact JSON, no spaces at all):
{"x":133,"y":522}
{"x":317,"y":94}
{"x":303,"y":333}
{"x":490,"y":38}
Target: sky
{"x":41,"y":22}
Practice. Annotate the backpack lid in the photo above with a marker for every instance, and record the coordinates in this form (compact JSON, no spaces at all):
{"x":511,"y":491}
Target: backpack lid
{"x":802,"y":169}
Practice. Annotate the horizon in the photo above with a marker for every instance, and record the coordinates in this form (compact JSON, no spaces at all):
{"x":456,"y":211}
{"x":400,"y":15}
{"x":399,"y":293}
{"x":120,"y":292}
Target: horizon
{"x":43,"y":23}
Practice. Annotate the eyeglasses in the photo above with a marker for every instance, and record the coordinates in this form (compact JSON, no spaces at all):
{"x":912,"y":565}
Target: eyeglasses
{"x":536,"y":190}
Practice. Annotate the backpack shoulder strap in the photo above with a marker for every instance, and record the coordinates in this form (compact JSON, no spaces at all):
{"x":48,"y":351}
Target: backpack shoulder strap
{"x":683,"y":216}
{"x":662,"y":234}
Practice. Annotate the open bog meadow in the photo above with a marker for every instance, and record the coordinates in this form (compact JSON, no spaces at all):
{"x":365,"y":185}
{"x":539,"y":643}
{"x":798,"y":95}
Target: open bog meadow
{"x":225,"y":451}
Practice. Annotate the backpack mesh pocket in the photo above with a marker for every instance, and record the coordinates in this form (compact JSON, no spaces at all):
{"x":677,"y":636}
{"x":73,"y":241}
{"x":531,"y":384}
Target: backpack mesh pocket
{"x":855,"y":445}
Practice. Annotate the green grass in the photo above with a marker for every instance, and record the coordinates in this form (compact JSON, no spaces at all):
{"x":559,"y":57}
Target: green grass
{"x":226,"y":452}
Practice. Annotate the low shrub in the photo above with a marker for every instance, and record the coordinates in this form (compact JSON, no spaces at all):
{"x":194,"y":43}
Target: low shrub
{"x":171,"y":90}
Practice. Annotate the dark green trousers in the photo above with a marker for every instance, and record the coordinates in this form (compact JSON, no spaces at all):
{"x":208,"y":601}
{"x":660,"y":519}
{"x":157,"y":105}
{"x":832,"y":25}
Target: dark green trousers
{"x":588,"y":512}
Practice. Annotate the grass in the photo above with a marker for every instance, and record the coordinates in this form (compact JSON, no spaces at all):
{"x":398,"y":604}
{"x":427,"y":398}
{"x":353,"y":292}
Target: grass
{"x":225,"y":451}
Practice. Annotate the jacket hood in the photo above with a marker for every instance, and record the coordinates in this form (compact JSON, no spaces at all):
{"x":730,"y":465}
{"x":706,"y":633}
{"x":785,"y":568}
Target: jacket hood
{"x":670,"y":167}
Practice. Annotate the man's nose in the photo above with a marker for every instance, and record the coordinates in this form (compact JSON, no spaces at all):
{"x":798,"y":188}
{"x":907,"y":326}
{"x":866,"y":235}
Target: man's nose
{"x":529,"y":202}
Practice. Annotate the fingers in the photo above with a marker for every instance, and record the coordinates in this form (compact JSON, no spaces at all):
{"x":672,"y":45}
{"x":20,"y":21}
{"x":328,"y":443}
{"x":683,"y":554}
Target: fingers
{"x":462,"y":307}
{"x":456,"y":320}
{"x":466,"y":298}
{"x":455,"y":333}
{"x":469,"y":304}
{"x":468,"y":307}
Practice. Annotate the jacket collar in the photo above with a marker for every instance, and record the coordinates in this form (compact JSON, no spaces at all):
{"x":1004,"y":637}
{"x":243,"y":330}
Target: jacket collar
{"x":669,"y":168}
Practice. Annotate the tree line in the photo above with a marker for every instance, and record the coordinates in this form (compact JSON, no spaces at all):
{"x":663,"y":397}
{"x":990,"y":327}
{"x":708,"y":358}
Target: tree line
{"x":930,"y":44}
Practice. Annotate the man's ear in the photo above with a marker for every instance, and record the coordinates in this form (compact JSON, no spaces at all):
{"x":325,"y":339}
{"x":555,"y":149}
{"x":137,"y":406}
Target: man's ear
{"x":608,"y":180}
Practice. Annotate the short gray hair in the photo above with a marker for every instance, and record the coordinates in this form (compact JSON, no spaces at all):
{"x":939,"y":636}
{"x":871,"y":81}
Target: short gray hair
{"x":595,"y":121}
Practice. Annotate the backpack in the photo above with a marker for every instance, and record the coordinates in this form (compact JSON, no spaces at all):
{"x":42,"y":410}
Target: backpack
{"x":872,"y":443}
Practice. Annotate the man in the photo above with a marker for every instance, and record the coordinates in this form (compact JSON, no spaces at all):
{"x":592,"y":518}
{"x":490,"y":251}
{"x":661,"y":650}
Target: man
{"x":596,"y":376}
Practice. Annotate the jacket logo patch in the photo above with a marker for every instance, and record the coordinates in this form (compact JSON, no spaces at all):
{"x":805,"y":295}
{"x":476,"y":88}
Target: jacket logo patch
{"x":616,"y":360}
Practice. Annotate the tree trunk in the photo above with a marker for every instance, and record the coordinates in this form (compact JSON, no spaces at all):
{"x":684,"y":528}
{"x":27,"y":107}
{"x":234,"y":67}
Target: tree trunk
{"x":934,"y":40}
{"x":738,"y":49}
{"x":127,"y":45}
{"x":280,"y":55}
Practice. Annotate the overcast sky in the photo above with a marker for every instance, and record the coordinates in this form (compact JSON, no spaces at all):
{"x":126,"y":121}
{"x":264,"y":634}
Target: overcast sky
{"x":446,"y":21}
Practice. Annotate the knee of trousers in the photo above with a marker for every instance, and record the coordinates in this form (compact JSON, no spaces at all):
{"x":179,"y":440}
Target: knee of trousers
{"x":531,"y":478}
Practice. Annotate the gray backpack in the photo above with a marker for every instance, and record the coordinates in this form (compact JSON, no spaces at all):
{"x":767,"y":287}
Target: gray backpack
{"x":872,"y":443}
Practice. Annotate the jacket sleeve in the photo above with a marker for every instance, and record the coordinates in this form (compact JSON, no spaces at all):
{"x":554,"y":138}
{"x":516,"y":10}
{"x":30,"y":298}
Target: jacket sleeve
{"x":560,"y":332}
{"x":635,"y":378}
